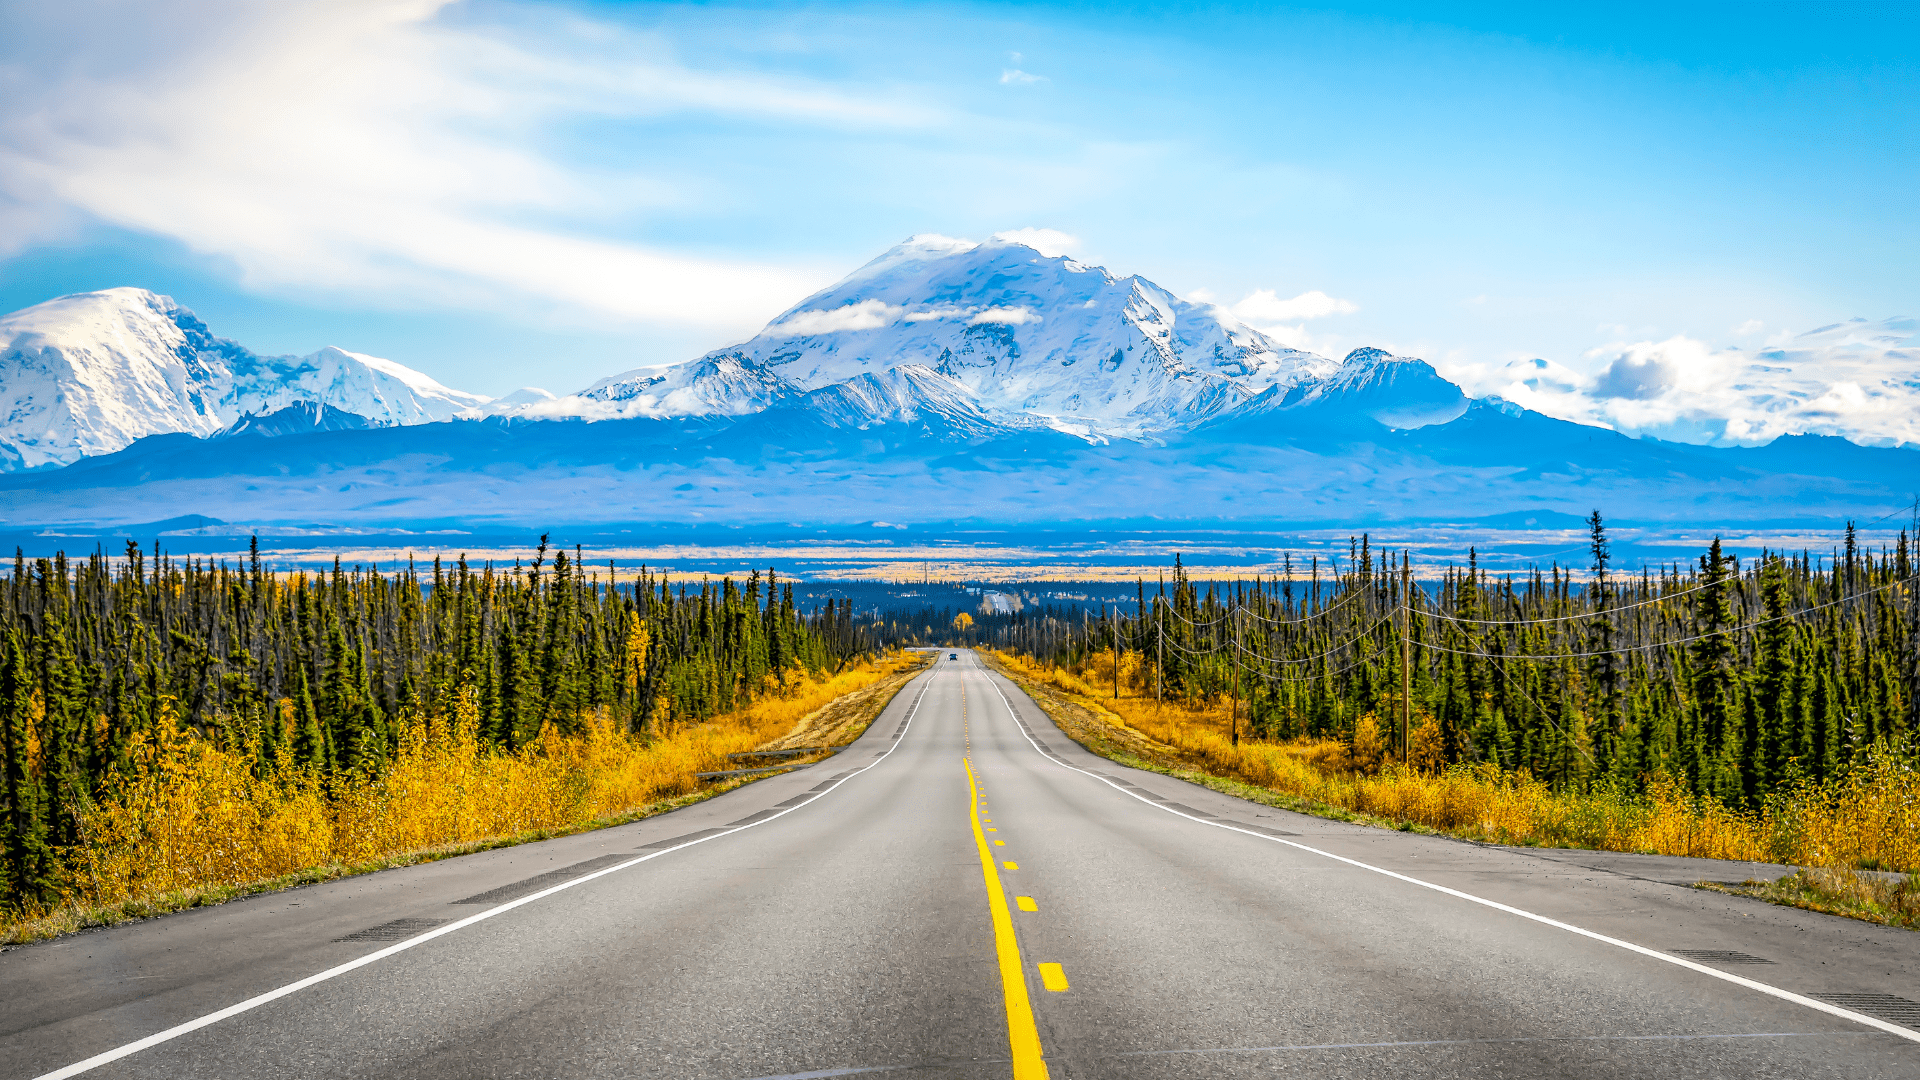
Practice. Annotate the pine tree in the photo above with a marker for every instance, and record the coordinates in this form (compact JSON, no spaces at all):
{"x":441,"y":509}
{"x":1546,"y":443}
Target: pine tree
{"x":1769,"y":738}
{"x":25,"y":859}
{"x":1712,"y":678}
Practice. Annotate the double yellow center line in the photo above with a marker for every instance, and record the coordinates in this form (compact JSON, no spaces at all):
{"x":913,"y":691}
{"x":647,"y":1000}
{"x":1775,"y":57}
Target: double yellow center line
{"x":1023,"y":1036}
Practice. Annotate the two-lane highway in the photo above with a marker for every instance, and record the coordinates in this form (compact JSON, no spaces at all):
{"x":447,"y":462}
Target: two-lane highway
{"x":964,"y":892}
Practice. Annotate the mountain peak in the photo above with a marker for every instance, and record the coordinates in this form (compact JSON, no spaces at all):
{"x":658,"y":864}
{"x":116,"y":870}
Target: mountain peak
{"x":1025,"y":332}
{"x":300,"y":418}
{"x":89,"y":373}
{"x":1367,"y":354}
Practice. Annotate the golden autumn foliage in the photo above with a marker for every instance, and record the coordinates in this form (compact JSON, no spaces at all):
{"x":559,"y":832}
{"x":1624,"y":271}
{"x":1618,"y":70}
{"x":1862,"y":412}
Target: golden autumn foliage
{"x":185,"y":813}
{"x":1867,"y":817}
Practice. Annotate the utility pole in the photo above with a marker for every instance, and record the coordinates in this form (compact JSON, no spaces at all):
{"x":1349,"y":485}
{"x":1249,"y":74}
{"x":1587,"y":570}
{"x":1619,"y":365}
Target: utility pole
{"x":1406,"y":657}
{"x":1237,"y":668}
{"x":1159,"y":651}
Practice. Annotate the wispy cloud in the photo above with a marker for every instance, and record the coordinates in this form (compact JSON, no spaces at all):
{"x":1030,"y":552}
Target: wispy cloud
{"x":1264,"y":306}
{"x":377,"y":149}
{"x":1285,"y":321}
{"x":1014,"y":316}
{"x":1016,"y":77}
{"x":1049,"y":242}
{"x":865,"y":315}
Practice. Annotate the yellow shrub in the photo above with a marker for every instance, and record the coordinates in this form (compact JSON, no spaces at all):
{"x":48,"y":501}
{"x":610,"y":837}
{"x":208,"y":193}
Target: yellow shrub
{"x":188,"y":813}
{"x":1869,"y":817}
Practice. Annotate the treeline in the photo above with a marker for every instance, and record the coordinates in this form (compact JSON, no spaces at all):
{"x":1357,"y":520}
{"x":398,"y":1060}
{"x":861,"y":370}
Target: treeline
{"x":1735,"y":680}
{"x":322,"y":670}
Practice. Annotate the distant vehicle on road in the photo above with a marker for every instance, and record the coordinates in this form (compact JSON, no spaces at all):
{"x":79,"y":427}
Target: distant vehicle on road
{"x":953,"y":656}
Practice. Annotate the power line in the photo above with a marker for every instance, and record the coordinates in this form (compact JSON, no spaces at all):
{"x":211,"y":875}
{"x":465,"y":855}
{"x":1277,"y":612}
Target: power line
{"x":1676,"y":641}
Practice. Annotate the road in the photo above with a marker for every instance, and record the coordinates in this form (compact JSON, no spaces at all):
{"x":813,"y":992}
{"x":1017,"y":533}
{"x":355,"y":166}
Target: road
{"x":901,"y":907}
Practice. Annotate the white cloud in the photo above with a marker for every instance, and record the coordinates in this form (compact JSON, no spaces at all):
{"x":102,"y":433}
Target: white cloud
{"x":1643,"y":371}
{"x":1016,"y":77}
{"x":1049,"y":242}
{"x":373,"y":150}
{"x":1016,"y":316}
{"x":865,"y":315}
{"x":1858,"y":379}
{"x":1285,"y":320}
{"x":930,"y":314}
{"x":1264,"y":306}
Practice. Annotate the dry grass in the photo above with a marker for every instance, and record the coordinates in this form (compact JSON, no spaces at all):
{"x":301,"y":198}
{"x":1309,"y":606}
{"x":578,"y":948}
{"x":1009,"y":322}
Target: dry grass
{"x":1869,"y":818}
{"x":191,"y":823}
{"x":1870,"y":897}
{"x":846,"y":716}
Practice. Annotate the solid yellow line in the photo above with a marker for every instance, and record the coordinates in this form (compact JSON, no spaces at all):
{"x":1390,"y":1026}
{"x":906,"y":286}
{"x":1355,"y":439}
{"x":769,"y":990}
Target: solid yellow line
{"x":1023,"y":1035}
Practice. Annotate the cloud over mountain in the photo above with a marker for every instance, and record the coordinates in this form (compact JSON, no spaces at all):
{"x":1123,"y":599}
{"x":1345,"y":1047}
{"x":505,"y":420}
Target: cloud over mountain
{"x":1857,"y":379}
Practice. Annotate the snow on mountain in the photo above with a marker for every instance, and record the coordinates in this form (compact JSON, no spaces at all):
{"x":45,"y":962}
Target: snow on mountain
{"x":913,"y":394}
{"x":91,"y":372}
{"x":1025,"y":333}
{"x":526,"y":395}
{"x":300,"y":418}
{"x":1395,"y":391}
{"x":718,"y":384}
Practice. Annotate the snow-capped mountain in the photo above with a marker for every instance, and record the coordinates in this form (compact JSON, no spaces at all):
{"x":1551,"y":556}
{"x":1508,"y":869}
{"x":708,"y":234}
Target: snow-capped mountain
{"x":1026,"y":334}
{"x":913,"y":394}
{"x":714,"y":385}
{"x":1393,"y":391}
{"x":300,"y":418}
{"x":91,"y":372}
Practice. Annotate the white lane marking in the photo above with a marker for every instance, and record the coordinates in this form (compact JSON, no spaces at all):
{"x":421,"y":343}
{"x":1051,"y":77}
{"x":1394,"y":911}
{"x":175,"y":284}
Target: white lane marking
{"x":295,"y":987}
{"x":1738,"y":980}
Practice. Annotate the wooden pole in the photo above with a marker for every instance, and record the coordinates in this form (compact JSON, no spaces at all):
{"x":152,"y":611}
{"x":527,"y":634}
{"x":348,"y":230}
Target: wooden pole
{"x":1406,"y":657}
{"x":1159,"y":651}
{"x":1237,"y":654}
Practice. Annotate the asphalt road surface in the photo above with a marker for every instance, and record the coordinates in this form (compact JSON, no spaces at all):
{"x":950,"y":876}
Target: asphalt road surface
{"x":966,"y":893}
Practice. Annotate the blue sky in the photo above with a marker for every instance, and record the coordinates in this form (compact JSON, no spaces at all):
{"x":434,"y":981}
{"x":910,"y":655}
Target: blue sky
{"x":512,"y":194}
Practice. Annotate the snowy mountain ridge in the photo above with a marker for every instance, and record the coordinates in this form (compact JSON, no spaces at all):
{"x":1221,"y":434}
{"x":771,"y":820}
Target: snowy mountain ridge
{"x":971,"y":339}
{"x":89,"y":373}
{"x":1027,"y":334}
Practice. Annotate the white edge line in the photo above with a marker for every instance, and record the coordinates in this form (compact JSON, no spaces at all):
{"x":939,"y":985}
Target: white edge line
{"x":128,"y":1050}
{"x":1785,"y":995}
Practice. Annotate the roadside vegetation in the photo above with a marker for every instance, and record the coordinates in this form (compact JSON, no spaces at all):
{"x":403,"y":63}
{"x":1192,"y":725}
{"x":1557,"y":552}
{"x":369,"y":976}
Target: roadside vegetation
{"x":1862,"y":819}
{"x":176,"y":735}
{"x":1887,"y":899}
{"x":1764,"y":712}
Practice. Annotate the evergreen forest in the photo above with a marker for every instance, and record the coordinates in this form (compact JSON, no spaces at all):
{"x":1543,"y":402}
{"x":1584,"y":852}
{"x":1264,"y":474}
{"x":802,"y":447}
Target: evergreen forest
{"x":325,"y":668}
{"x":1735,"y":680}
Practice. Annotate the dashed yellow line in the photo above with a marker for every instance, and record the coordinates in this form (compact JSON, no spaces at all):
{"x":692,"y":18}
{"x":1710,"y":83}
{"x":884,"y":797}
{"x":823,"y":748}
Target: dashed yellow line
{"x":1023,"y":1035}
{"x":1025,"y":903}
{"x":1054,"y":977}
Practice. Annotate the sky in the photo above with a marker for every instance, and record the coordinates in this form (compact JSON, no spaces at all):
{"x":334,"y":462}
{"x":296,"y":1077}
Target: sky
{"x":1657,"y":202}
